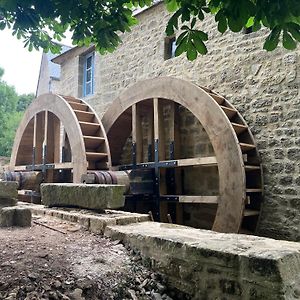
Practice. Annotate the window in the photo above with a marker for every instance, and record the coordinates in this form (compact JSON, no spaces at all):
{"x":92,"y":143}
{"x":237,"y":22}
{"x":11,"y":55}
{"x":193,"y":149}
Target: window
{"x":248,"y":30}
{"x":88,"y":75}
{"x":170,"y":47}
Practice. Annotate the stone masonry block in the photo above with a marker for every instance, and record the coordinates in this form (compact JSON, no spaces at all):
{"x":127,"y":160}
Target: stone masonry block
{"x":22,"y":217}
{"x":91,"y":196}
{"x":7,"y":215}
{"x":211,"y":265}
{"x":8,"y":202}
{"x":15,"y":216}
{"x":8,"y":189}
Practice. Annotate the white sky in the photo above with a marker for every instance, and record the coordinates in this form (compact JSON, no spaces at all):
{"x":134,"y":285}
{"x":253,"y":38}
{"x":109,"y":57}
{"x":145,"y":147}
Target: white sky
{"x":21,"y":67}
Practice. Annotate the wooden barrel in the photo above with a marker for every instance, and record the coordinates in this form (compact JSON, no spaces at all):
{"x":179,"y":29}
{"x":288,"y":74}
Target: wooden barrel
{"x":107,"y":177}
{"x":30,"y":180}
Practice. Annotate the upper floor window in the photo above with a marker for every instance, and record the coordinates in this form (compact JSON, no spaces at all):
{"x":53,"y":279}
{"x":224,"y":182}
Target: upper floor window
{"x":88,"y":75}
{"x":170,"y":47}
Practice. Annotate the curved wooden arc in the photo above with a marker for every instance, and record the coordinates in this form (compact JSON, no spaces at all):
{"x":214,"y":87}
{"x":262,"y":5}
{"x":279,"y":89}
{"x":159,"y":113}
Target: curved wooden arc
{"x":102,"y":132}
{"x":69,"y":111}
{"x":215,"y":120}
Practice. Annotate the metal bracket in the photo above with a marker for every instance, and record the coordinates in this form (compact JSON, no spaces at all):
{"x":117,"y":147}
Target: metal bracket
{"x":133,"y":152}
{"x":150,"y":165}
{"x":40,"y":167}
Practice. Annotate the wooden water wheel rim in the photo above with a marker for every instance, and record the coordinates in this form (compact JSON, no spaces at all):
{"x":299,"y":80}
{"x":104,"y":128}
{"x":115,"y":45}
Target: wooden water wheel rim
{"x":65,"y":108}
{"x":206,"y":106}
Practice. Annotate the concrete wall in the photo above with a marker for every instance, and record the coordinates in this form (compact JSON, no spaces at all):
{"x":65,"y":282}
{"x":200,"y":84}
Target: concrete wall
{"x":263,"y":86}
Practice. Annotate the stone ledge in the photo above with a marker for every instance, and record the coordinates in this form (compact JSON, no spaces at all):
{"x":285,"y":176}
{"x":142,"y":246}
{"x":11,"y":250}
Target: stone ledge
{"x":91,"y":196}
{"x":210,"y":265}
{"x":92,"y":221}
{"x":8,"y":189}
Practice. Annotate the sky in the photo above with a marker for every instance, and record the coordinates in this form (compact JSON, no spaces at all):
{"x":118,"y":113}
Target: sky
{"x":21,"y":67}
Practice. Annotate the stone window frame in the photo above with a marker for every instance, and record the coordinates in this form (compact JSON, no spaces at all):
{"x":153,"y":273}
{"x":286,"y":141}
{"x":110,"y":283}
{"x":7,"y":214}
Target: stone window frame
{"x":85,"y":69}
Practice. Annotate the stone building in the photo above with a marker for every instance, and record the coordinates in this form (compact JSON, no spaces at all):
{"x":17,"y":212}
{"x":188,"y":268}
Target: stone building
{"x":49,"y":73}
{"x":263,"y":86}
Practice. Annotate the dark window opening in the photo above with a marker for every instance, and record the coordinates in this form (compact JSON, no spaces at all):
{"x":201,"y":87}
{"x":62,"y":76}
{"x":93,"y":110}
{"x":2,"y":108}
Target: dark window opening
{"x":170,"y":47}
{"x":248,"y":30}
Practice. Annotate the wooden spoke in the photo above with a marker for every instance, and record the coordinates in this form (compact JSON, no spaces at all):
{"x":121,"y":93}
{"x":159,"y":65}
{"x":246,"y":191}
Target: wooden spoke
{"x":84,"y":116}
{"x":239,"y":128}
{"x":137,"y":138}
{"x":230,"y":112}
{"x":246,"y":147}
{"x":219,"y":99}
{"x":78,"y":106}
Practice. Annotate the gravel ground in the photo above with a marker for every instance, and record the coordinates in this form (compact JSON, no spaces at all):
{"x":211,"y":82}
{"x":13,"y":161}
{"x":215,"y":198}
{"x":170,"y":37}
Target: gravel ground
{"x":41,"y":263}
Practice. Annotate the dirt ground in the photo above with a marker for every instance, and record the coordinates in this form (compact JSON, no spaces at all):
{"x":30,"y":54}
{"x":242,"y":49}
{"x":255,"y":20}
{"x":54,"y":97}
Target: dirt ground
{"x":40,"y":263}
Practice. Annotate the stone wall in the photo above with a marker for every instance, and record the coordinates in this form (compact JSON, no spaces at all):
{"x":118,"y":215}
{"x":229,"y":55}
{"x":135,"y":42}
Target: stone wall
{"x":263,"y":86}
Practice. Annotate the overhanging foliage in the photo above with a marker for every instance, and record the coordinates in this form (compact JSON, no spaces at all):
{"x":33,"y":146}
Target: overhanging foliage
{"x":38,"y":22}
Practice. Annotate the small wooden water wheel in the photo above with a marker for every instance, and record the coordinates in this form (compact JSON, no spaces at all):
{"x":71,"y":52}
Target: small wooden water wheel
{"x":147,"y":134}
{"x":62,"y":137}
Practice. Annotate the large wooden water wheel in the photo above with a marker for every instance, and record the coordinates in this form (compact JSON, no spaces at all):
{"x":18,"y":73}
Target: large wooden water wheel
{"x":62,"y":137}
{"x":147,"y":116}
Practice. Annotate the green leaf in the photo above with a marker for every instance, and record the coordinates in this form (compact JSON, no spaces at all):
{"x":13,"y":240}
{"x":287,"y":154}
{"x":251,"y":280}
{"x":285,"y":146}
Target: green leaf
{"x":235,"y":25}
{"x":202,"y":35}
{"x":200,"y":46}
{"x":222,"y":25}
{"x":201,"y":15}
{"x":288,"y":42}
{"x":273,"y":39}
{"x":182,"y":46}
{"x":182,"y":35}
{"x":295,"y":31}
{"x":171,"y":5}
{"x":193,"y":22}
{"x":2,"y":25}
{"x":257,"y":25}
{"x":172,"y":23}
{"x":250,"y":22}
{"x":191,"y":52}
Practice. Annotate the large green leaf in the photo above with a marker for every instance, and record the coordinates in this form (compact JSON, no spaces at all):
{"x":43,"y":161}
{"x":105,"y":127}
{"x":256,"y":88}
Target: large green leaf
{"x":273,"y":39}
{"x":288,"y":42}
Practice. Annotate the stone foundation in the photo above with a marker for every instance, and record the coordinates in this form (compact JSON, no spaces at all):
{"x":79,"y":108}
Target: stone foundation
{"x":209,"y":265}
{"x":90,"y":220}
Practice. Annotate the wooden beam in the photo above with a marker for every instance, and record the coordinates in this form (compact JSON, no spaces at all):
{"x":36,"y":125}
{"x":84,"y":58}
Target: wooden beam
{"x":56,"y":166}
{"x":39,"y":137}
{"x":150,"y":134}
{"x":137,"y":135}
{"x":159,"y":137}
{"x":175,"y":138}
{"x":198,"y":161}
{"x":199,"y":199}
{"x":53,"y":139}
